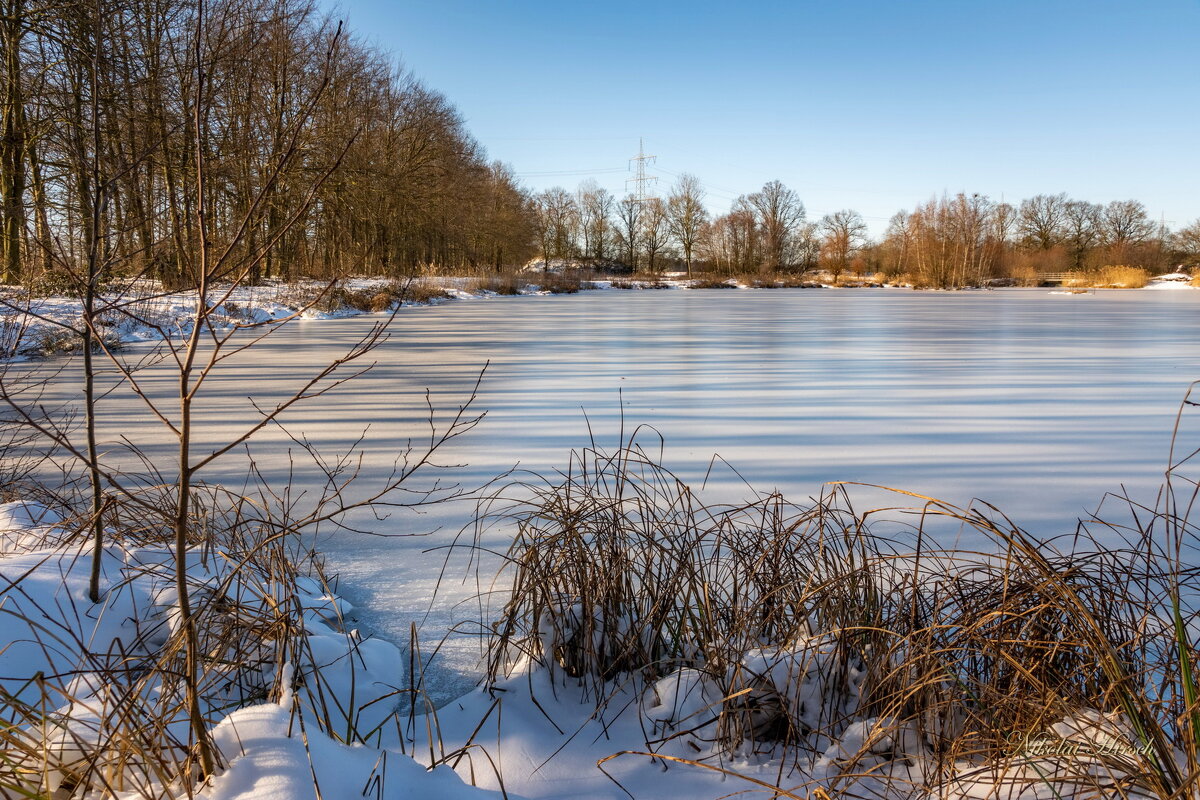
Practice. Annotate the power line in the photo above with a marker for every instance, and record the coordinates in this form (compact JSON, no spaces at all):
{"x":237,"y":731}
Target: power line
{"x":550,"y":173}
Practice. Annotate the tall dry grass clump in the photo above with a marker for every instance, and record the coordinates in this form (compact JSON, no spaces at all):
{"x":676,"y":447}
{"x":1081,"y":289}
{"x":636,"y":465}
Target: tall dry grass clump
{"x":1109,"y":277}
{"x":855,"y":642}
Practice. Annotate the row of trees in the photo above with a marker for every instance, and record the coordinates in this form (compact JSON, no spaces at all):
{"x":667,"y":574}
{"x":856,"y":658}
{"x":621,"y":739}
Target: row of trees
{"x":764,"y":229}
{"x":967,"y":239}
{"x":957,"y":240}
{"x":325,"y":155}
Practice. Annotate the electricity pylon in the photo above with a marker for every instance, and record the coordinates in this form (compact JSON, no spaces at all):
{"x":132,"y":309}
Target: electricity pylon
{"x":640,"y":179}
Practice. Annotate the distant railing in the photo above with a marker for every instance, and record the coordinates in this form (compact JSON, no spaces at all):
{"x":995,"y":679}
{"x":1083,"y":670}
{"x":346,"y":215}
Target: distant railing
{"x":1052,"y":277}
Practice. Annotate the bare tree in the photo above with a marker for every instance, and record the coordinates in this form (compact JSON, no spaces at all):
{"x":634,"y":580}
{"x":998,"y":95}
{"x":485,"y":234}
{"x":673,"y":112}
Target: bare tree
{"x":1041,"y":220}
{"x":998,"y":238}
{"x":898,"y":242}
{"x":558,"y":223}
{"x":732,"y":242}
{"x":629,"y":229}
{"x":654,"y":231}
{"x":844,"y":232}
{"x":14,"y":21}
{"x":1187,"y":242}
{"x":686,"y":215}
{"x":780,"y":215}
{"x":1125,"y":223}
{"x":971,"y":218}
{"x":595,"y":219}
{"x":950,"y":241}
{"x":1082,"y":228}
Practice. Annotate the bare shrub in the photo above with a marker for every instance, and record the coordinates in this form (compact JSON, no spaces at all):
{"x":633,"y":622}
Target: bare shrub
{"x":654,"y":283}
{"x":416,"y":291}
{"x":560,"y":282}
{"x":503,"y":284}
{"x":711,"y":283}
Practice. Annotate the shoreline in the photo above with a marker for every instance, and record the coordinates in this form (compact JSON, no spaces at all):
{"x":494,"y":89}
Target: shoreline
{"x":41,"y":328}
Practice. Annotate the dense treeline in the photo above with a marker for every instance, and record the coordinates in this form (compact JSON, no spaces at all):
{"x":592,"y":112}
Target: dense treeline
{"x":137,"y":136}
{"x":952,"y":241}
{"x":129,"y":126}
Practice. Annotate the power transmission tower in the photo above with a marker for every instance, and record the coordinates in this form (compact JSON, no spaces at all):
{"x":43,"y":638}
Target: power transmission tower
{"x":640,"y":179}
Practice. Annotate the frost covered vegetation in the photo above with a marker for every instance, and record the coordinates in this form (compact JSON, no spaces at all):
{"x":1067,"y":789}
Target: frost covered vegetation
{"x":95,"y":694}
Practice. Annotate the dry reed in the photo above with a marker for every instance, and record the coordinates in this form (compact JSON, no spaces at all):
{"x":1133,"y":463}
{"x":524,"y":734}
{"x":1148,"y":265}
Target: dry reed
{"x":1108,"y":277}
{"x":824,"y":627}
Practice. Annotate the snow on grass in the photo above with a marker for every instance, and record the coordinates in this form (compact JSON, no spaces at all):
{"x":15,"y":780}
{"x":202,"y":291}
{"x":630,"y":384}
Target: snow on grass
{"x":79,"y":670}
{"x":89,"y":697}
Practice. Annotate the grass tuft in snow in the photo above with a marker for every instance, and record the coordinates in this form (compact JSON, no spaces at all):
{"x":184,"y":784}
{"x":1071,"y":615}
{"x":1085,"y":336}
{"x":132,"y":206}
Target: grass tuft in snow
{"x":855,"y":649}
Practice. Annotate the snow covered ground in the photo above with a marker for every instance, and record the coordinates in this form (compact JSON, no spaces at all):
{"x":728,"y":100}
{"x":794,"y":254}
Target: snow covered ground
{"x":74,"y":665}
{"x":142,"y":312}
{"x":77,"y":669}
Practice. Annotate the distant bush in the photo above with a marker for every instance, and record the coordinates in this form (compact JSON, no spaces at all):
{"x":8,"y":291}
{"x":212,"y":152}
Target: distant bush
{"x":374,"y":299}
{"x":854,"y":279}
{"x":507,"y":284}
{"x":419,"y":292}
{"x":560,"y":283}
{"x":51,"y":340}
{"x":53,"y":283}
{"x":712,"y":283}
{"x":340,"y":299}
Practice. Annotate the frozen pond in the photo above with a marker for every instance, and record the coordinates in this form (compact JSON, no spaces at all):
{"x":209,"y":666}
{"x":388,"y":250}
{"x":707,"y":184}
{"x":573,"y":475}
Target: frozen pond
{"x":1036,"y":402}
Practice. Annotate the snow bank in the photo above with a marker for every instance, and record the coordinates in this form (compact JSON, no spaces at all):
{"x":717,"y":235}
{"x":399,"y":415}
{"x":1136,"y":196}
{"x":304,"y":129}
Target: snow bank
{"x":272,"y":755}
{"x":1171,"y":282}
{"x":535,"y":734}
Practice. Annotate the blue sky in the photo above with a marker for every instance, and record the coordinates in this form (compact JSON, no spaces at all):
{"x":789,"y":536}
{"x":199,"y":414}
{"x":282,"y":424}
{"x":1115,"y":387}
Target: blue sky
{"x":874,"y":106}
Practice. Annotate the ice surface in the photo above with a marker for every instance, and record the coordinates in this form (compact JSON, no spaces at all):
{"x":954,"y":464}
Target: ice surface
{"x":1034,"y":402}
